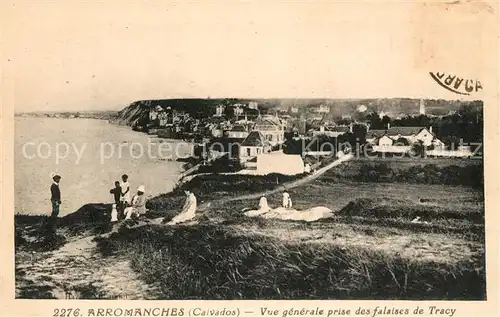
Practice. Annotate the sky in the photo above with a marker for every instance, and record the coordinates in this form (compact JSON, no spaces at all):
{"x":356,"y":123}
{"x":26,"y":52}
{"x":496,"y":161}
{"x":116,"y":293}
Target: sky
{"x":82,"y":55}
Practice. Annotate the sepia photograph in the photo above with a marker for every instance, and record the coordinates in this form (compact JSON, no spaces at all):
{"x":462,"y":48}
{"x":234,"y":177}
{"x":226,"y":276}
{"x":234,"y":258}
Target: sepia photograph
{"x":322,"y":151}
{"x":252,"y":199}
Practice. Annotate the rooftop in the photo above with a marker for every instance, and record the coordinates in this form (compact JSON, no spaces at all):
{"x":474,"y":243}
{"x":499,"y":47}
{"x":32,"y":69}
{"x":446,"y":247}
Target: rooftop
{"x":404,"y":130}
{"x":375,"y":133}
{"x":239,"y":128}
{"x":255,"y":138}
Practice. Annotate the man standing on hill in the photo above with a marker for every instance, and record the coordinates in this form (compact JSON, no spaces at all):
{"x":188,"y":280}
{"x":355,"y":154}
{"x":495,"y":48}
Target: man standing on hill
{"x":55,"y":196}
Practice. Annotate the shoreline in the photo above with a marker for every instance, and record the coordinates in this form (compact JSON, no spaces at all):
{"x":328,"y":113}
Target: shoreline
{"x":82,"y":165}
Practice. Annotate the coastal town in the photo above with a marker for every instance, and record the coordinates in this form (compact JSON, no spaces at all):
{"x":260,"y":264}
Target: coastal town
{"x":334,"y":193}
{"x":252,"y":138}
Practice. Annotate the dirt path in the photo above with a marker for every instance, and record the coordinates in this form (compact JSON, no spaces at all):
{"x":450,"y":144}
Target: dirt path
{"x":77,"y":270}
{"x":203,"y":207}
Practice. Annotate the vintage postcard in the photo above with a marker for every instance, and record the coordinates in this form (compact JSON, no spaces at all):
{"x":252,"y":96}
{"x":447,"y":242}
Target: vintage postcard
{"x":249,"y":158}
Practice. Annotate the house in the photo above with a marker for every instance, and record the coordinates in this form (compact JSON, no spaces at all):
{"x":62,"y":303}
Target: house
{"x":411,"y":134}
{"x":254,"y":144}
{"x":294,"y":109}
{"x":179,"y":116}
{"x":238,"y":131}
{"x":386,"y":141}
{"x":382,"y":114}
{"x":272,"y":128}
{"x":219,"y":110}
{"x":278,"y":162}
{"x":253,"y":105}
{"x":415,"y":134}
{"x":321,"y":109}
{"x":343,"y":128}
{"x":238,"y":109}
{"x":330,"y":131}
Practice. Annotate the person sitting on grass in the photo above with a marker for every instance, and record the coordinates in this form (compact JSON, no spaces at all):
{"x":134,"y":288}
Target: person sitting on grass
{"x":286,"y":199}
{"x":263,"y":205}
{"x":138,"y":205}
{"x":188,"y":211}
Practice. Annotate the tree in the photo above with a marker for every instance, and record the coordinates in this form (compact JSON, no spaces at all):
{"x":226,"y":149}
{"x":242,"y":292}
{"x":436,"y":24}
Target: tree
{"x":417,"y":149}
{"x":385,"y":121}
{"x":374,"y":120}
{"x":358,"y":134}
{"x":402,"y":141}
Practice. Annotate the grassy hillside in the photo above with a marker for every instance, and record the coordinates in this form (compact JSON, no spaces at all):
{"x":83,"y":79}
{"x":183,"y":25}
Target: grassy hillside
{"x":371,"y":249}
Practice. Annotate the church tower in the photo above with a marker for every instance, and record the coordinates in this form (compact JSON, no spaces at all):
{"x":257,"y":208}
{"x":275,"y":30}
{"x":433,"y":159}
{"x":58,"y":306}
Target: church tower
{"x":422,"y":107}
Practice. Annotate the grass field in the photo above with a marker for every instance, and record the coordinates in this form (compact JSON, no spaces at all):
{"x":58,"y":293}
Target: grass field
{"x":370,"y":249}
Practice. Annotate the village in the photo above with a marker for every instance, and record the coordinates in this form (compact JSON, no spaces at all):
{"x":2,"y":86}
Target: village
{"x":247,"y":139}
{"x":272,"y":193}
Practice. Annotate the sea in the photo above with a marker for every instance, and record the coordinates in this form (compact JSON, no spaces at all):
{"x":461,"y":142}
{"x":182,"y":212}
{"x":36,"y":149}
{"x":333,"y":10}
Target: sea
{"x":90,"y":155}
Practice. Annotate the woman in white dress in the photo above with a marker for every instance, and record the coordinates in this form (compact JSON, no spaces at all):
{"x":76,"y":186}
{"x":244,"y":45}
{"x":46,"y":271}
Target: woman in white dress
{"x":263,"y":208}
{"x":188,"y":210}
{"x":286,"y":200}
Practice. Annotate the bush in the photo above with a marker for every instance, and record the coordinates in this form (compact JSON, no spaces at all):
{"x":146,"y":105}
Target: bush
{"x":469,"y":175}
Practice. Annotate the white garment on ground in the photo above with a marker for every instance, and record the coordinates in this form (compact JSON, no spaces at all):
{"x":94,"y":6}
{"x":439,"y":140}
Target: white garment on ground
{"x":312,"y":214}
{"x":114,"y":214}
{"x":188,"y":211}
{"x":263,"y":208}
{"x":125,"y":186}
{"x":129,"y":211}
{"x":286,"y":199}
{"x":263,"y":203}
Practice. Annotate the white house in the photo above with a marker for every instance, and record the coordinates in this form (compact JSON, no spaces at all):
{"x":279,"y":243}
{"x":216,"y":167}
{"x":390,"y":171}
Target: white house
{"x":253,"y":145}
{"x":219,"y":110}
{"x":332,"y":132}
{"x":238,"y":109}
{"x":322,"y":109}
{"x":253,"y":105}
{"x":385,"y":141}
{"x":272,"y":129}
{"x":277,"y":162}
{"x":411,"y":134}
{"x":415,"y":134}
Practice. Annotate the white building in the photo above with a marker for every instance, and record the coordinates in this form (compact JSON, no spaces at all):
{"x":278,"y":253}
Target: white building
{"x":219,"y":110}
{"x":254,"y":144}
{"x":322,"y":109}
{"x":411,"y":134}
{"x":422,"y":107}
{"x":253,"y":105}
{"x":238,"y":109}
{"x":272,"y":129}
{"x":277,"y":162}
